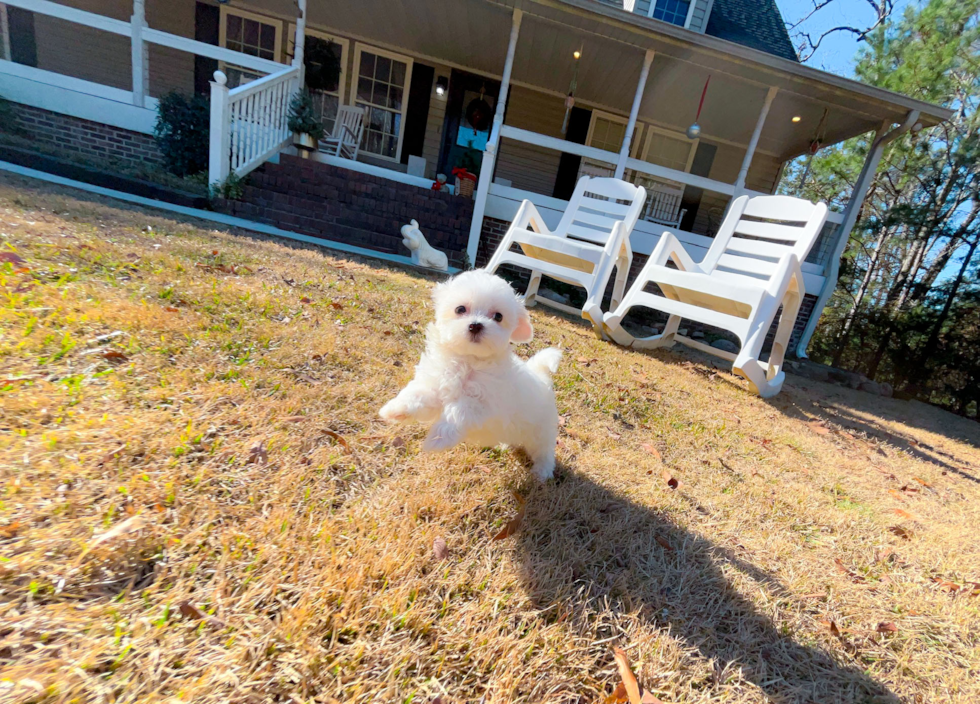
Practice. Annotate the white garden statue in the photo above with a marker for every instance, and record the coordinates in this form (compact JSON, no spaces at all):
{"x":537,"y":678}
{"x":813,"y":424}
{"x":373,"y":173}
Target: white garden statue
{"x":423,"y":253}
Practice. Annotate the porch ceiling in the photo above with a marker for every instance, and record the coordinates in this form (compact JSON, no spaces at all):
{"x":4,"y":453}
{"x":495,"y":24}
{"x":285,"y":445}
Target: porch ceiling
{"x":473,"y":34}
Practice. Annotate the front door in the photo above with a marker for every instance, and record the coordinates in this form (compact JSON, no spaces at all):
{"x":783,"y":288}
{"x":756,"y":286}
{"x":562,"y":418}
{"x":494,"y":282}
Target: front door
{"x":470,"y":102}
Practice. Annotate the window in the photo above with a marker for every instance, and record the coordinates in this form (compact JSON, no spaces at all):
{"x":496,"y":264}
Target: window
{"x":670,"y":149}
{"x":672,"y":11}
{"x":250,"y":34}
{"x":322,"y":54}
{"x":606,"y":132}
{"x":381,"y":88}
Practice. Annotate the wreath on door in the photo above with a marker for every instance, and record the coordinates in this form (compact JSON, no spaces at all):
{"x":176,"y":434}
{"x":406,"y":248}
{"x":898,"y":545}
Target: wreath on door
{"x":479,"y":114}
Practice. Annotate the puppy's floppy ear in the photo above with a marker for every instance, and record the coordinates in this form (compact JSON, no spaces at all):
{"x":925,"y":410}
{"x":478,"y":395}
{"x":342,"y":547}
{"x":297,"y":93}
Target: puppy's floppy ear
{"x":523,"y":332}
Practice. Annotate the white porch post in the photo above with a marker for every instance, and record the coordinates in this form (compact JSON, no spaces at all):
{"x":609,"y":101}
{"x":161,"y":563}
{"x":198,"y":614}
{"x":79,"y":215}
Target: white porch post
{"x":624,"y":152}
{"x":490,"y":154}
{"x":139,"y":53}
{"x":851,"y":212}
{"x":299,"y":47}
{"x":219,"y":154}
{"x":743,"y":173}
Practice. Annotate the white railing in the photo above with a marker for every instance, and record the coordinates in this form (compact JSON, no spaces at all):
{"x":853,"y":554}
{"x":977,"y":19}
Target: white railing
{"x":249,"y":124}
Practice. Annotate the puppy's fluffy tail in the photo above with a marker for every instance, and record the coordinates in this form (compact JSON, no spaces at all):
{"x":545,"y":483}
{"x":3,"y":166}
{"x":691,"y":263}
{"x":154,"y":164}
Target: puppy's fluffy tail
{"x":545,"y":363}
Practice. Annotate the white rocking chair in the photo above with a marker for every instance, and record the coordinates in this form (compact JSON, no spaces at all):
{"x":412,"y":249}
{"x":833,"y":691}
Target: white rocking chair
{"x":591,"y":239}
{"x":752,"y":268}
{"x":345,"y":139}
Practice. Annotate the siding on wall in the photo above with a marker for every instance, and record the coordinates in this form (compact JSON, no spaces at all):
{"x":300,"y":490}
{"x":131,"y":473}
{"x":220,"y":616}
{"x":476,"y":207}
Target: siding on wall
{"x":699,"y":20}
{"x":525,"y":165}
{"x":93,"y":55}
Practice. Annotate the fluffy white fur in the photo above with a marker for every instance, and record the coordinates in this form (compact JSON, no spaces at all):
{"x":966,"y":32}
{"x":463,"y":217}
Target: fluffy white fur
{"x":470,"y":384}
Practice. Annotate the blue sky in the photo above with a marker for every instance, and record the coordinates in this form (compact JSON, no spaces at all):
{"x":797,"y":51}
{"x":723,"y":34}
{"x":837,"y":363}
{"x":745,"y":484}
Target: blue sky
{"x":837,"y":52}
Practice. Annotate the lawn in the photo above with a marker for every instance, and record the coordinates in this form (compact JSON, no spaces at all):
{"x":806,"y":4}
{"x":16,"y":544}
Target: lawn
{"x":201,"y":504}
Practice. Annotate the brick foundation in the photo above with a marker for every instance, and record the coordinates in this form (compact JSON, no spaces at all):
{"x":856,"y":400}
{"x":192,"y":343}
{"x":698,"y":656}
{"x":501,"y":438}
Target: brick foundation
{"x":338,"y":204}
{"x":494,"y":230}
{"x":74,"y":137}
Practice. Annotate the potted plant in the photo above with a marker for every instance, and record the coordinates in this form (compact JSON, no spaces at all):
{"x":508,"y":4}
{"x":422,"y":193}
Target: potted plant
{"x":305,"y":125}
{"x":466,"y":172}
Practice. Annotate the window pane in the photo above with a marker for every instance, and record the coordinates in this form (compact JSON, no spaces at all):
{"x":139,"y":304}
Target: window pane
{"x":398,"y":70}
{"x":364,"y":89}
{"x":268,"y":37}
{"x":380,"y":95}
{"x":382,"y":71}
{"x":251,"y":33}
{"x":367,"y":65}
{"x":395,"y":98}
{"x":234,"y":29}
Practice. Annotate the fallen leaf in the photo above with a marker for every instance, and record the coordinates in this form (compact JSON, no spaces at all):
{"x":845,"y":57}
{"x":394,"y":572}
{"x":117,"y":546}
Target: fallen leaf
{"x":335,"y":305}
{"x":903,"y":513}
{"x":258,"y":453}
{"x":114,"y":356}
{"x":946,"y":586}
{"x":295,"y":419}
{"x":13,"y":258}
{"x":398,"y":442}
{"x":887,"y":627}
{"x":664,"y":544}
{"x":850,"y":573}
{"x":130,"y":525}
{"x":670,"y":479}
{"x":514,"y":524}
{"x":629,"y":679}
{"x":171,"y":309}
{"x":614,"y":436}
{"x":10,"y":530}
{"x":190,"y":611}
{"x":563,"y":421}
{"x":896,"y":495}
{"x":901,"y":532}
{"x":652,"y":450}
{"x":648,"y":698}
{"x":336,"y":436}
{"x":440,"y":549}
{"x":304,"y":299}
{"x":923,"y":482}
{"x":619,"y":695}
{"x":819,"y":427}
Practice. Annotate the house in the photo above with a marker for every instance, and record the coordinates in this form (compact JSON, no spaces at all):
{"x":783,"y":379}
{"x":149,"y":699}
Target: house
{"x":536,"y":92}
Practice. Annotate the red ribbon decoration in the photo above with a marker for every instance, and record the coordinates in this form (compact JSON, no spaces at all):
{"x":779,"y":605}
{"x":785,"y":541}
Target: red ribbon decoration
{"x":460,"y":172}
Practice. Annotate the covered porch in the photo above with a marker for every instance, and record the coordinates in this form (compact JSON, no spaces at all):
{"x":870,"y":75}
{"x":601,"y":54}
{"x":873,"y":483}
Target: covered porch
{"x":573,"y":87}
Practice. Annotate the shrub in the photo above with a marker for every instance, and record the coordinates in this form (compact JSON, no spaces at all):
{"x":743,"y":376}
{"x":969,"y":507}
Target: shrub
{"x":302,"y":116}
{"x":181,"y":133}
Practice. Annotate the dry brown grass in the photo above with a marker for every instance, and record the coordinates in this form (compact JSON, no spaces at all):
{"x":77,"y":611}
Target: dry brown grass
{"x":282,"y":542}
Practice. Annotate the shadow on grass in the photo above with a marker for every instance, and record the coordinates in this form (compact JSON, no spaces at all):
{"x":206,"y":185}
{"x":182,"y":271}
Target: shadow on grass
{"x":601,"y":563}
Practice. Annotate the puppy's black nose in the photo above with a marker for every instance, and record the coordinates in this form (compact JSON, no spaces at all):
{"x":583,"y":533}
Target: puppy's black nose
{"x":476,"y":328}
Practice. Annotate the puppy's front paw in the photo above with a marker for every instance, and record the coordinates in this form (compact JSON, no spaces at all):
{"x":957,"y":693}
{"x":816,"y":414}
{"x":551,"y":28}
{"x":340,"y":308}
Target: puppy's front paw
{"x":395,"y":411}
{"x":544,"y":468}
{"x":442,"y":436}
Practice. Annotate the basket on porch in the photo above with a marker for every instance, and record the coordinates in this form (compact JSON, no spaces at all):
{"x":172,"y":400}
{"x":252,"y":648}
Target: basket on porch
{"x":465,"y":182}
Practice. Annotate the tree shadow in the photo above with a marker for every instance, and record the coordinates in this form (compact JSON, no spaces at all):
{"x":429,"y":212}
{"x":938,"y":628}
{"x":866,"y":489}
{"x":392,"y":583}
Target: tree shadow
{"x":596,"y":560}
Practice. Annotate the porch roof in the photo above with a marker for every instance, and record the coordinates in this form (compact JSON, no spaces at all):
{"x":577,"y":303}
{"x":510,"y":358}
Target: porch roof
{"x":472,"y":35}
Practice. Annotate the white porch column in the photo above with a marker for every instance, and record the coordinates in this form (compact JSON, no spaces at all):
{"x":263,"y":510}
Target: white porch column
{"x":490,"y":154}
{"x":624,"y":152}
{"x":139,"y":54}
{"x":300,"y":43}
{"x":219,"y":149}
{"x":743,"y":173}
{"x":882,"y":139}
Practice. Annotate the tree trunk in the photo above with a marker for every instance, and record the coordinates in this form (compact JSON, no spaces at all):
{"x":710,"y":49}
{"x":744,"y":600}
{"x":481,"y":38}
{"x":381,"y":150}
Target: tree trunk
{"x":859,"y":297}
{"x":948,"y":305}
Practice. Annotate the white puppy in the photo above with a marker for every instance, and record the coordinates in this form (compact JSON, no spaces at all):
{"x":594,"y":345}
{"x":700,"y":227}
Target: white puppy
{"x":469,"y":383}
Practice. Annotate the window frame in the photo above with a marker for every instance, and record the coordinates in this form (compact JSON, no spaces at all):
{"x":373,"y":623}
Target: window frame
{"x":687,"y":19}
{"x":274,"y":22}
{"x":409,"y":62}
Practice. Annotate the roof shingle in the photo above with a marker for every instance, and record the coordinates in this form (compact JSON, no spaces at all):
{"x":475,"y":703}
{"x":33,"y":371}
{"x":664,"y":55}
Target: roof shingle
{"x":756,"y":24}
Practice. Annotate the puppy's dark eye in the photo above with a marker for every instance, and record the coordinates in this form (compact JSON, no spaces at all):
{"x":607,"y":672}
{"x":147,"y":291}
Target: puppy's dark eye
{"x":460,"y":310}
{"x":498,"y":317}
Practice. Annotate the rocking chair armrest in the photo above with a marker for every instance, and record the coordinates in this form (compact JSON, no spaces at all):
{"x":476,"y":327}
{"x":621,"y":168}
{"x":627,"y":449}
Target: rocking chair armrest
{"x":787,"y":269}
{"x":669,"y":247}
{"x":528,"y":214}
